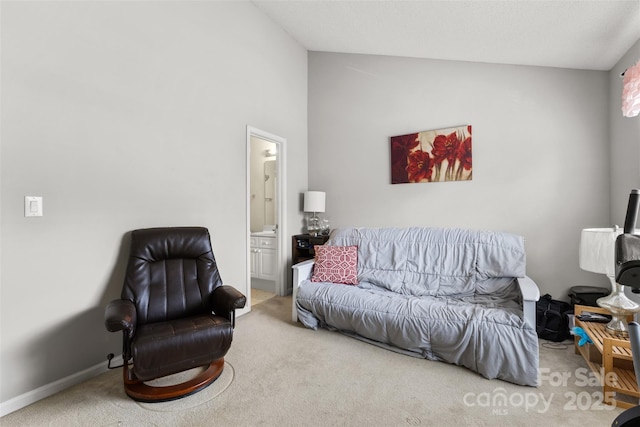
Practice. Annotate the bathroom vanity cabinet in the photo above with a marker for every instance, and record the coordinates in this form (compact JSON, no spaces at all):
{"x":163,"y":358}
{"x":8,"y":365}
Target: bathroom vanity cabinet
{"x":263,"y":257}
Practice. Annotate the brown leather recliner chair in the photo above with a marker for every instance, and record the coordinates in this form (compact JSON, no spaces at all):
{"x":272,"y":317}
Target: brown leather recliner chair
{"x":174,"y":312}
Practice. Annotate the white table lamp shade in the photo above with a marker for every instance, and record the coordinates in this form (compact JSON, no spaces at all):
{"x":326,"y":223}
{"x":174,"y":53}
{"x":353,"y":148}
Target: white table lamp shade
{"x":314,"y":201}
{"x":597,"y":254}
{"x":597,"y":250}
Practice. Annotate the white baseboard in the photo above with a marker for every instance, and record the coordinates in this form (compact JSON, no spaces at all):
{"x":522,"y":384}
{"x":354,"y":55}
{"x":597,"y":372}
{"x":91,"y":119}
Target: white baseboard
{"x":47,"y":390}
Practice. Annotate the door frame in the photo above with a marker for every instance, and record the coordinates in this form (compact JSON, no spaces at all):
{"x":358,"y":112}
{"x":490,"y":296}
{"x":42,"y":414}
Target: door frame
{"x":281,"y":203}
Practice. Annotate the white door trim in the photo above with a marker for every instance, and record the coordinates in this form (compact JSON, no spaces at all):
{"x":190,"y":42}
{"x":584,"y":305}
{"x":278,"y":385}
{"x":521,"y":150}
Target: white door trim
{"x":281,"y":191}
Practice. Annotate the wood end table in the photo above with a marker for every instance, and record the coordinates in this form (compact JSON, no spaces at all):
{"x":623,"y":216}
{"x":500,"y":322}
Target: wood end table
{"x":609,"y":358}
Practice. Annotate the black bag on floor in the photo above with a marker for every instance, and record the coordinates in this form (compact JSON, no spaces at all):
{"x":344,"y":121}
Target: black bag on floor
{"x":552,"y":320}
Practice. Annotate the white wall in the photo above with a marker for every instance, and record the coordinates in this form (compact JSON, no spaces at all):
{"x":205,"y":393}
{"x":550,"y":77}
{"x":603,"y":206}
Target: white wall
{"x":540,"y":150}
{"x":625,"y":140}
{"x":125,"y":115}
{"x":625,"y":145}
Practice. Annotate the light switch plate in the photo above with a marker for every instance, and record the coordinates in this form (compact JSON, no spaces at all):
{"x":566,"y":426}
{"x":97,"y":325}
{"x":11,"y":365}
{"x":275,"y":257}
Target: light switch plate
{"x":32,"y":206}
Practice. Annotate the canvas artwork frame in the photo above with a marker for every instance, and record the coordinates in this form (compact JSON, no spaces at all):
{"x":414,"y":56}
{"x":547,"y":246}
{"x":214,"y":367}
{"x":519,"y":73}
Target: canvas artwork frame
{"x":432,"y":156}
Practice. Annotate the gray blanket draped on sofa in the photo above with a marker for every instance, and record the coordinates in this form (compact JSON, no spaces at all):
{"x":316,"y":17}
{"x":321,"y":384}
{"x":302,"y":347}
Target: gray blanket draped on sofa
{"x":450,"y":295}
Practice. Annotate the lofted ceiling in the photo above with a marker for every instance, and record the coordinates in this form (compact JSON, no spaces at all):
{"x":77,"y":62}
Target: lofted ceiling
{"x":581,"y":34}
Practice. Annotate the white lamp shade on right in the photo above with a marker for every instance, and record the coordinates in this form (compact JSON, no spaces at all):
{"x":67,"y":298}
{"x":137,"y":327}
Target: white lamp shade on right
{"x":314,"y":201}
{"x":597,"y":250}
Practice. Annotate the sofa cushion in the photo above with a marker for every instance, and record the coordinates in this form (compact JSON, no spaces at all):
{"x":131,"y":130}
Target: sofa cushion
{"x":435,"y":262}
{"x":336,"y":264}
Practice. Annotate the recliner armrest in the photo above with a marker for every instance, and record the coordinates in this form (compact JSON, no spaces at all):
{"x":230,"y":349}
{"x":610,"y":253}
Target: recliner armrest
{"x":226,"y":299}
{"x":120,"y":315}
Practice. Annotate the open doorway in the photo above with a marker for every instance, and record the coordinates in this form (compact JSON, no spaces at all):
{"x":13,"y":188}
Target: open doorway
{"x":265,"y":215}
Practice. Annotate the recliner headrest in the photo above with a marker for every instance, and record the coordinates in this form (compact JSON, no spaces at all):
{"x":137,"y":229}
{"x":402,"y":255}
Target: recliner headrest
{"x":157,"y":244}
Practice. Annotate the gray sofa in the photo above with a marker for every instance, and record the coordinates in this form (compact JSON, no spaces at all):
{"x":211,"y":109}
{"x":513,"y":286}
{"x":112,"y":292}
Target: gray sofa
{"x":452,"y":295}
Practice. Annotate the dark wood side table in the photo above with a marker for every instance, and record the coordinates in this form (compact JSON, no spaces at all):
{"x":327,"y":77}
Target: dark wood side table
{"x":302,"y":247}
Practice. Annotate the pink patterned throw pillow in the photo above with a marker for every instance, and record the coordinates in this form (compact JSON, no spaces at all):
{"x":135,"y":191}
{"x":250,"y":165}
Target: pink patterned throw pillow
{"x":336,"y":264}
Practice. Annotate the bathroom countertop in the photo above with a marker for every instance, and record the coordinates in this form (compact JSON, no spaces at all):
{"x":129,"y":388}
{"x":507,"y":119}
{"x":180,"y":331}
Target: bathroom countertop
{"x":263,"y":234}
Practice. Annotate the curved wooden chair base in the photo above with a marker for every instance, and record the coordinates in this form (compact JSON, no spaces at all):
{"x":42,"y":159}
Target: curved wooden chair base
{"x":142,"y":392}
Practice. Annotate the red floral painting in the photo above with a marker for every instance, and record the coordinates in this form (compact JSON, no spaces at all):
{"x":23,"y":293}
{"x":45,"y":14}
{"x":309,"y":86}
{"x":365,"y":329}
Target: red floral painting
{"x":432,"y":156}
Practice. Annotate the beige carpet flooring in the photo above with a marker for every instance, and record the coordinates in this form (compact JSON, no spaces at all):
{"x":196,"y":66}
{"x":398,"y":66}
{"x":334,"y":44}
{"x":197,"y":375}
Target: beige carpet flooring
{"x":281,"y":374}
